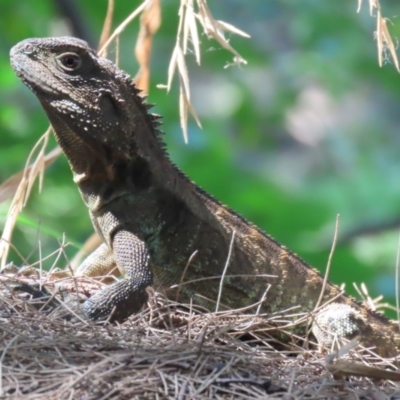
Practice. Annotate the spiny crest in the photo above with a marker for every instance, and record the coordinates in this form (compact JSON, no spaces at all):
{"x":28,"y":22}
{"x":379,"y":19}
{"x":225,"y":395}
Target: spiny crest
{"x":153,"y":119}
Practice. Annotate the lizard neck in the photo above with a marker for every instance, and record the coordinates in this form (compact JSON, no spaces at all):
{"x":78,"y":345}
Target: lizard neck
{"x":130,"y":164}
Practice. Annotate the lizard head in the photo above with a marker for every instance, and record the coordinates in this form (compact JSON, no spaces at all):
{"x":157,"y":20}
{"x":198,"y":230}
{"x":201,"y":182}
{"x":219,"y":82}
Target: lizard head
{"x":88,"y":100}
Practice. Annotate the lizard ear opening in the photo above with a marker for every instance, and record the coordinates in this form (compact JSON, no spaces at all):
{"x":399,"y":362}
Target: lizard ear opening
{"x":108,"y":108}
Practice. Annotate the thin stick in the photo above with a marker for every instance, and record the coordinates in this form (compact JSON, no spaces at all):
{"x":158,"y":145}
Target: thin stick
{"x":224,"y":272}
{"x":105,"y":32}
{"x":184,"y":273}
{"x":123,"y":25}
{"x":328,"y":265}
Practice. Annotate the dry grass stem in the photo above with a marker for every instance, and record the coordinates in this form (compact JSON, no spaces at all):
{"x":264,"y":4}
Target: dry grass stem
{"x":382,"y":34}
{"x":328,"y":265}
{"x":341,"y":368}
{"x":188,"y":32}
{"x":385,"y":41}
{"x":31,"y":172}
{"x":105,"y":32}
{"x":169,"y":351}
{"x":376,"y":303}
{"x":214,"y":29}
{"x":10,"y":186}
{"x":123,"y":25}
{"x":182,"y":278}
{"x":221,"y":281}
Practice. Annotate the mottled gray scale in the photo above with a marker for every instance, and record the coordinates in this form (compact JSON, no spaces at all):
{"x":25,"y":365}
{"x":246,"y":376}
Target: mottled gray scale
{"x":129,"y":294}
{"x":103,"y":260}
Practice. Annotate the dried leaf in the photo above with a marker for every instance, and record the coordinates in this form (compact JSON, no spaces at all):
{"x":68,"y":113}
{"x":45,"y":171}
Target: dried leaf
{"x":379,"y":38}
{"x":230,"y":28}
{"x":183,"y":113}
{"x":193,"y":112}
{"x":211,"y":29}
{"x":383,"y":37}
{"x":373,"y":4}
{"x":385,"y":41}
{"x":190,"y":31}
{"x":359,"y":5}
{"x":149,"y":23}
{"x":183,"y":73}
{"x":105,"y":32}
{"x":172,"y":66}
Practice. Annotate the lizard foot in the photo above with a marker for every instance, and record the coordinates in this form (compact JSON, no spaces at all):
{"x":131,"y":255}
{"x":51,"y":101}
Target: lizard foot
{"x":116,"y":302}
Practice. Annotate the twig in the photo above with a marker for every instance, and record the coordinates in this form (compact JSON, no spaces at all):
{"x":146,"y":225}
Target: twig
{"x":221,"y":283}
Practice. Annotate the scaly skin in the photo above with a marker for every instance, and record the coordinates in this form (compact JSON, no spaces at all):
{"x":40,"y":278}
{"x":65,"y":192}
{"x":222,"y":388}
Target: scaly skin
{"x":158,"y":227}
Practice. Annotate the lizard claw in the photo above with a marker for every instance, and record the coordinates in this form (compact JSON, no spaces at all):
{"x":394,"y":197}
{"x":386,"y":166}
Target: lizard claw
{"x":116,"y":302}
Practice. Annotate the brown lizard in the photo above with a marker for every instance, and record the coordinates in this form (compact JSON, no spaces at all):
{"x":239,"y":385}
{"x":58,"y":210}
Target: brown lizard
{"x":158,"y":227}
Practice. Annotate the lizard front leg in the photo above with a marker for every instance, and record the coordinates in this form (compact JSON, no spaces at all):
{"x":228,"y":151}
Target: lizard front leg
{"x":127,"y":296}
{"x":100,"y":263}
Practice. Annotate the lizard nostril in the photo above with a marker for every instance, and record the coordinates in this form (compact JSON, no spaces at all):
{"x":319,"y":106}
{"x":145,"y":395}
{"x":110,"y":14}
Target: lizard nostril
{"x":27,"y":48}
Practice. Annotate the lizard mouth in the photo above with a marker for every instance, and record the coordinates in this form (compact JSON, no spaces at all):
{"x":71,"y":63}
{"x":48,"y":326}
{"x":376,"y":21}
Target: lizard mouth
{"x":33,"y":80}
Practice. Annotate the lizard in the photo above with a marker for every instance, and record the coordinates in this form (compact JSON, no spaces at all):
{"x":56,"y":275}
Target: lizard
{"x":158,"y":228}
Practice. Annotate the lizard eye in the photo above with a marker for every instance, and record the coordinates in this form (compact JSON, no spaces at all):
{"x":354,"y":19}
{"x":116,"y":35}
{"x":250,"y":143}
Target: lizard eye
{"x":69,"y":61}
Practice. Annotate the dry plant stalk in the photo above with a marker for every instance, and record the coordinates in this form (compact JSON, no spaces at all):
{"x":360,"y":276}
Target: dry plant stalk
{"x":25,"y":181}
{"x":150,"y":21}
{"x":105,"y":32}
{"x":383,"y":37}
{"x":342,"y":368}
{"x":168,"y":350}
{"x":328,"y":265}
{"x":117,"y":32}
{"x":187,"y":31}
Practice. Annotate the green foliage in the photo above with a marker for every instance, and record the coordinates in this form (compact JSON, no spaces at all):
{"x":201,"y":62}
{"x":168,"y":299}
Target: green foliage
{"x":309,"y":129}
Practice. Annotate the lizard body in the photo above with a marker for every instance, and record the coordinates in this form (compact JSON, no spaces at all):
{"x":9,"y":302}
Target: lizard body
{"x":158,"y":227}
